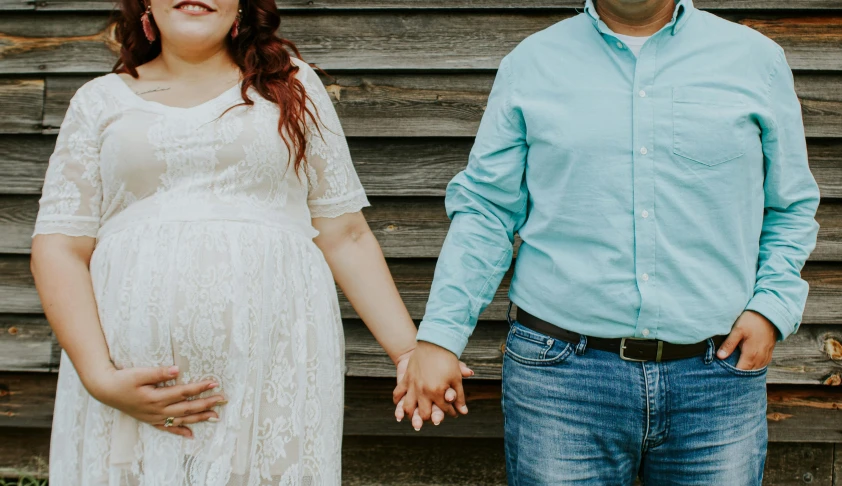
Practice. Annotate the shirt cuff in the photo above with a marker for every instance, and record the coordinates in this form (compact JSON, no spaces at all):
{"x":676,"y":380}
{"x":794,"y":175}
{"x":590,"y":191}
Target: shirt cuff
{"x":769,"y":307}
{"x":440,"y":335}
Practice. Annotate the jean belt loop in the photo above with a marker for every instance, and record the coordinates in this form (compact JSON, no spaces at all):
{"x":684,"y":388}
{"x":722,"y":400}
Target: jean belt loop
{"x":583,"y":345}
{"x":710,"y":351}
{"x":509,"y":313}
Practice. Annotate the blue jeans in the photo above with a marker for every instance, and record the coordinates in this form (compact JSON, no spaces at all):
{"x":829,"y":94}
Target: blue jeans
{"x":575,"y":415}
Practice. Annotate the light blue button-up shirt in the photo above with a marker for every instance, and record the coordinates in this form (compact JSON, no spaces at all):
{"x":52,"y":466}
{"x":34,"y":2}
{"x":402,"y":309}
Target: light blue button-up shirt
{"x":656,"y":197}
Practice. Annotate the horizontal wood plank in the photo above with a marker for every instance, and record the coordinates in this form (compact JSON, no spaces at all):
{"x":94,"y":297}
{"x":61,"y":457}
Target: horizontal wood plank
{"x":387,"y":166}
{"x":49,"y":43}
{"x":414,"y":277}
{"x":18,"y":5}
{"x":405,"y":227}
{"x":383,"y":105}
{"x":795,"y":414}
{"x":813,"y":356}
{"x":27,"y":344}
{"x":804,"y":414}
{"x":798,"y":464}
{"x":24,"y":452}
{"x":435,"y":461}
{"x":428,"y":105}
{"x":21,"y":105}
{"x":821,"y":103}
{"x":317,"y":5}
{"x":826,"y":164}
{"x":422,"y":461}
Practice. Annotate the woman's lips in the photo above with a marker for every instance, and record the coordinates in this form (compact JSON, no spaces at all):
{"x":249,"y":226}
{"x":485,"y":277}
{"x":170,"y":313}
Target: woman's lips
{"x":193,"y":7}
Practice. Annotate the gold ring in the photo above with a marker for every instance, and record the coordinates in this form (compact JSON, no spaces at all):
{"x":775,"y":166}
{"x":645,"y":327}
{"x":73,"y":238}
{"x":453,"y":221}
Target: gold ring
{"x":169,"y":422}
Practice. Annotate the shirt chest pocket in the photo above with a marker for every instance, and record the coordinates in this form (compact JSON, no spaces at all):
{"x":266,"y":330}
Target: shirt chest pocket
{"x":709,"y":125}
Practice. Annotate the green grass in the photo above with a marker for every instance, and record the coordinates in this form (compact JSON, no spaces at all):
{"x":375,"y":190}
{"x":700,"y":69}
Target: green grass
{"x":23,"y":481}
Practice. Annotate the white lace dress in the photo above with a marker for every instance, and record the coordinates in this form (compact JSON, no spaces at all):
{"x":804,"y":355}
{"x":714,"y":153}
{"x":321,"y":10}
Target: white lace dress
{"x":204,"y":259}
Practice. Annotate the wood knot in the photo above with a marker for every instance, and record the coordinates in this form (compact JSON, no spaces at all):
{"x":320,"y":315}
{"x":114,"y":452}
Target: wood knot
{"x":778,"y":416}
{"x":391,"y":228}
{"x":833,"y":348}
{"x":13,"y":330}
{"x":833,"y":380}
{"x":335,"y":90}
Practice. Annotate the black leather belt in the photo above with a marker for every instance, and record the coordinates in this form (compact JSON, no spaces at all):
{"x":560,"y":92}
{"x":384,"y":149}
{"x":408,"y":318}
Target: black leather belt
{"x":630,"y":349}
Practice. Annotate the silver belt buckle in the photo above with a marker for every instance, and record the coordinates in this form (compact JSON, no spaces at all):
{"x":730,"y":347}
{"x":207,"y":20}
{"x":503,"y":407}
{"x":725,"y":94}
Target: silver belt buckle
{"x":626,"y":358}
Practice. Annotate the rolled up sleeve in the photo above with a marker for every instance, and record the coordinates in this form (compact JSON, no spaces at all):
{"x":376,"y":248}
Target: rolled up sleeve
{"x":487,"y":205}
{"x":791,"y":200}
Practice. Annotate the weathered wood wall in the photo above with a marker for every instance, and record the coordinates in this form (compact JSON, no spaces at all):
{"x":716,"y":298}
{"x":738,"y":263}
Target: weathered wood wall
{"x":410,"y":82}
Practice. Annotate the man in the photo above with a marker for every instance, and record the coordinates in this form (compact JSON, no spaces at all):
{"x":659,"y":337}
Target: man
{"x":651,"y":157}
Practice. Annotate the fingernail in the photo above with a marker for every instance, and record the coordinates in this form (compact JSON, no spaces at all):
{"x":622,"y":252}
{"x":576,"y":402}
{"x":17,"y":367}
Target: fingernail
{"x":222,"y":402}
{"x":721,"y":354}
{"x":464,"y":409}
{"x":417,"y":429}
{"x":212,"y":385}
{"x":213,"y":420}
{"x":173,"y":370}
{"x":398,"y":419}
{"x":472,"y":372}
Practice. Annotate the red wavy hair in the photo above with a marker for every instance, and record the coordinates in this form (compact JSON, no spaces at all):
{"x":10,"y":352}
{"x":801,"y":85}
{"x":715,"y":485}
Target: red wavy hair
{"x":264,"y":59}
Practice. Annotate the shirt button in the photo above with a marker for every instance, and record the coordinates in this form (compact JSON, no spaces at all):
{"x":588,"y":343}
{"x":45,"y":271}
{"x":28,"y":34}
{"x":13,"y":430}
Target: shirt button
{"x":645,"y":332}
{"x":620,"y":45}
{"x":643,"y":151}
{"x":645,"y":277}
{"x":642,"y":94}
{"x":645,"y":214}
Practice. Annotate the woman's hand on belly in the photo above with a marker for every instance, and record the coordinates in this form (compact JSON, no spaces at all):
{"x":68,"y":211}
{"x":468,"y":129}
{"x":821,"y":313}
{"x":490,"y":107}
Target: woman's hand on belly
{"x":135,"y":392}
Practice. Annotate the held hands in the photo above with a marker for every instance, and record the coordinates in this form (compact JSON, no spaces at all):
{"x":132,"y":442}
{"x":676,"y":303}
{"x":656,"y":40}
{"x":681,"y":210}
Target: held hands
{"x":134,"y":391}
{"x":430,"y":385}
{"x":755,"y":336}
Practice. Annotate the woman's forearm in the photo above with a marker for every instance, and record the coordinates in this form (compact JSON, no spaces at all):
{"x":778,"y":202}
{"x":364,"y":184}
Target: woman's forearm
{"x":63,"y":279}
{"x":360,"y":269}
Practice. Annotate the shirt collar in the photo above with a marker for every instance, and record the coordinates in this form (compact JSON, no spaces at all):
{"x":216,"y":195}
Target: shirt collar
{"x":683,"y":9}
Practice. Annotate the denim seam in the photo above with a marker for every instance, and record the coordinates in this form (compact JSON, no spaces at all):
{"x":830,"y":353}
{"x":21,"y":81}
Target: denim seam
{"x":667,"y":402}
{"x":524,"y":335}
{"x":739,"y":372}
{"x":648,"y":409}
{"x":565,"y":353}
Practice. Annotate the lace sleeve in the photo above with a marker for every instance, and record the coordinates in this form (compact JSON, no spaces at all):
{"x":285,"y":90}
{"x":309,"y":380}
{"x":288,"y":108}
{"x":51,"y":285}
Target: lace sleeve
{"x":72,"y":195}
{"x":334,"y":187}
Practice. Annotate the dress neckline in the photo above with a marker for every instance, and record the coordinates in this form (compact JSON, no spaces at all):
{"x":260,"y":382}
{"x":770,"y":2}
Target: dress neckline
{"x":163,"y":107}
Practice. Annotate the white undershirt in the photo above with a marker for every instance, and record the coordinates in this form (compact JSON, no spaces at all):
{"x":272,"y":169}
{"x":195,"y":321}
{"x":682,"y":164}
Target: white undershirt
{"x":634,"y":43}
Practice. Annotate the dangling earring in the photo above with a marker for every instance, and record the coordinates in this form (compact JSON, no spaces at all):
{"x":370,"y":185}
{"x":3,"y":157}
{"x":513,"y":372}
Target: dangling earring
{"x":146,"y":22}
{"x":235,"y":29}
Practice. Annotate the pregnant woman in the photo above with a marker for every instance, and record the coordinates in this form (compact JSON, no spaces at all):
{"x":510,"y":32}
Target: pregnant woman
{"x":199,"y":204}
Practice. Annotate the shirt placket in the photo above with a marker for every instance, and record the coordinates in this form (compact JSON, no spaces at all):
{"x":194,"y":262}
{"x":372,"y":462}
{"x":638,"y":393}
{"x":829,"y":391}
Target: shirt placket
{"x":644,"y":153}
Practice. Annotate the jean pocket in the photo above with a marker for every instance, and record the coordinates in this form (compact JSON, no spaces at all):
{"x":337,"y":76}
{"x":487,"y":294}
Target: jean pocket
{"x":709,"y":125}
{"x":533,"y":348}
{"x":730,"y":364}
